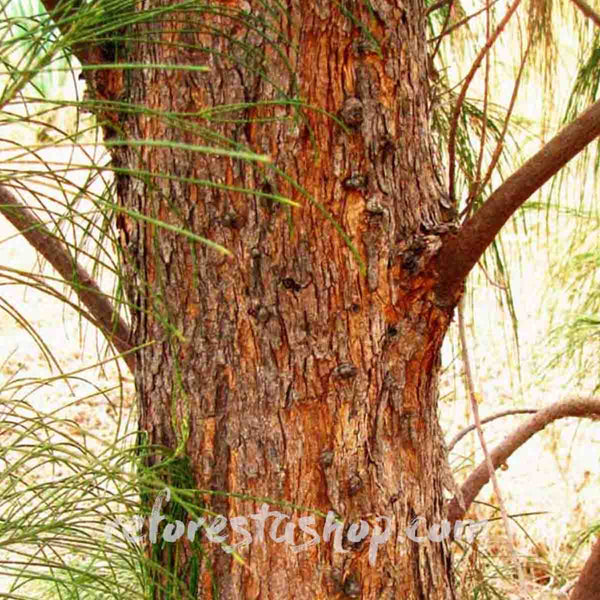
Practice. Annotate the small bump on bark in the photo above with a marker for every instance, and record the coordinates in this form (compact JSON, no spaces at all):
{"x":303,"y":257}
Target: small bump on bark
{"x":355,"y":484}
{"x":352,"y":587}
{"x":232,"y":220}
{"x":355,"y":182}
{"x":290,"y":284}
{"x":345,"y":371}
{"x":263,"y":314}
{"x":375,"y":207}
{"x":352,"y":112}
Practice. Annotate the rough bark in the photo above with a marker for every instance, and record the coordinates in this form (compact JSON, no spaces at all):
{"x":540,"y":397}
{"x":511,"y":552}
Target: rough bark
{"x":284,"y":373}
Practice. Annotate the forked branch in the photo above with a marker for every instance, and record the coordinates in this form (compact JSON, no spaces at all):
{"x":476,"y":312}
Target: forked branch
{"x":505,"y":413}
{"x":587,"y":586}
{"x":460,"y":252}
{"x":575,"y":407}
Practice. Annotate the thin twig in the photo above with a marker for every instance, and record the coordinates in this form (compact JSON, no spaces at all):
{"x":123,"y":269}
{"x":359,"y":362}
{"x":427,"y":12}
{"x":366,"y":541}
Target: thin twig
{"x":505,"y":413}
{"x":493,"y":283}
{"x":475,"y":185}
{"x":488,"y":460}
{"x":463,"y":92}
{"x":574,"y":407}
{"x":458,"y":24}
{"x":511,"y":106}
{"x":441,"y":36}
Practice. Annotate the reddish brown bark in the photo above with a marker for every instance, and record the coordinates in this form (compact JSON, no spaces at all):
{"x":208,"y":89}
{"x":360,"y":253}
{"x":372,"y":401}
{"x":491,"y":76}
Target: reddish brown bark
{"x":283,"y":372}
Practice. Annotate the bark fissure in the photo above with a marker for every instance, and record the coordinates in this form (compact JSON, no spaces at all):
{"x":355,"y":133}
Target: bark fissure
{"x":282,"y":372}
{"x":301,"y":380}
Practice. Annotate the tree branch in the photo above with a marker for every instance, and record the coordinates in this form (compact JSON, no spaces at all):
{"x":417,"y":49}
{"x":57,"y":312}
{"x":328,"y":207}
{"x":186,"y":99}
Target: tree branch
{"x":463,"y":93}
{"x":460,"y":252}
{"x":461,"y":434}
{"x":587,"y":586}
{"x":575,"y":407}
{"x":104,"y":315}
{"x":588,"y":11}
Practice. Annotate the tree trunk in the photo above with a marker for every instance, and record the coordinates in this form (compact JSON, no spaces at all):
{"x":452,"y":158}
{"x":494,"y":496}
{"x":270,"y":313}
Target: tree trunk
{"x":282,"y":372}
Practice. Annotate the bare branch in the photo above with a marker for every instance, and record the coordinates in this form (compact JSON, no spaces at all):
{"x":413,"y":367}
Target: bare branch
{"x":448,"y":30}
{"x":505,"y":413}
{"x":463,"y":93}
{"x":588,"y":11}
{"x":587,"y":586}
{"x":486,"y":94}
{"x":441,"y":36}
{"x":498,"y":150}
{"x":575,"y":407}
{"x":461,"y":251}
{"x":491,"y":471}
{"x":91,"y":296}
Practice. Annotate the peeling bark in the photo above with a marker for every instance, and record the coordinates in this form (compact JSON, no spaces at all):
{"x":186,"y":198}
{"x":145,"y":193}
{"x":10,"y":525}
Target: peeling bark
{"x":283,"y":372}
